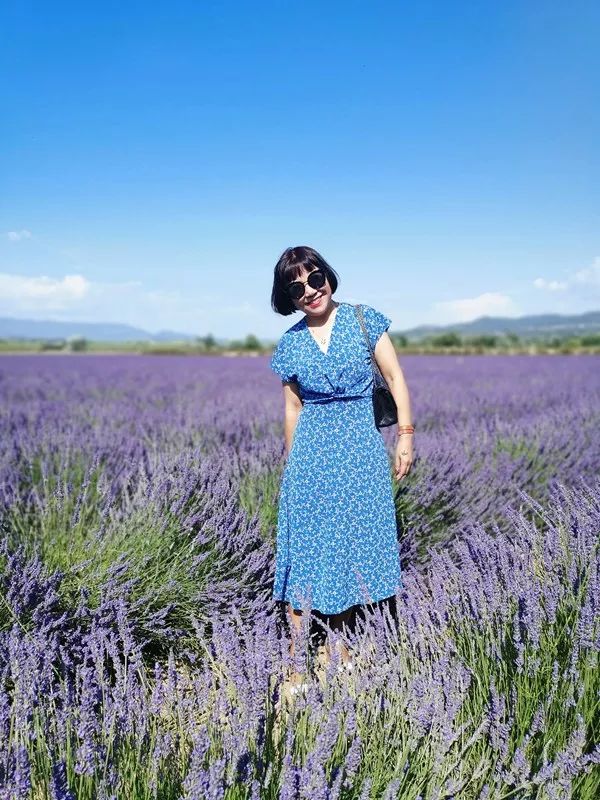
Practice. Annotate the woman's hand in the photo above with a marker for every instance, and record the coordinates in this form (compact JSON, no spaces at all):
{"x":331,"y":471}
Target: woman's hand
{"x":404,"y":455}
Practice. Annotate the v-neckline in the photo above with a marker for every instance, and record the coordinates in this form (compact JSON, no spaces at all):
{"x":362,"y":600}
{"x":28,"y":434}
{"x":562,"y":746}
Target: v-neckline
{"x":325,"y":353}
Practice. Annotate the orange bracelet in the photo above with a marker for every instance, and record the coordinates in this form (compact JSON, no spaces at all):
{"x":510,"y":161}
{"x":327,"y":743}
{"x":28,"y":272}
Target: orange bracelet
{"x":405,"y":429}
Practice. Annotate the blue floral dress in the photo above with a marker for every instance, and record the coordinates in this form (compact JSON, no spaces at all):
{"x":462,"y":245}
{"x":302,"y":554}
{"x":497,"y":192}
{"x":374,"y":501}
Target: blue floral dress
{"x":337,"y":542}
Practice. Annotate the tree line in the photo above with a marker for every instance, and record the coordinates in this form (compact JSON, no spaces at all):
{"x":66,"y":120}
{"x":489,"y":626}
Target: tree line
{"x":450,"y":342}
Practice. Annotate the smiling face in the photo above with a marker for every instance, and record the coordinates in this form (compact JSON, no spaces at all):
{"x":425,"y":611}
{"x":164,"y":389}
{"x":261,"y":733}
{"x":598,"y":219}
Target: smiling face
{"x":315,"y":303}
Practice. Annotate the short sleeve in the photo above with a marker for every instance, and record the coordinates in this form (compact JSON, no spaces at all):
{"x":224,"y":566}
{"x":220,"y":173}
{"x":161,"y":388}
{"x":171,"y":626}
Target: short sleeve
{"x":376,"y":323}
{"x":279,"y":362}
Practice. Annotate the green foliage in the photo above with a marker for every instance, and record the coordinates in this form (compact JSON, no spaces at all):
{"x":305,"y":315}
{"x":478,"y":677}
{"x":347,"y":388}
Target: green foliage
{"x":590,"y":340}
{"x":64,"y":513}
{"x":251,"y":342}
{"x":52,"y":344}
{"x":537,"y":676}
{"x":160,"y":557}
{"x":77,"y":344}
{"x":258,"y":494}
{"x":167,"y":350}
{"x":207,"y":342}
{"x":252,"y":345}
{"x":431,"y":519}
{"x":482,"y":340}
{"x":450,"y":339}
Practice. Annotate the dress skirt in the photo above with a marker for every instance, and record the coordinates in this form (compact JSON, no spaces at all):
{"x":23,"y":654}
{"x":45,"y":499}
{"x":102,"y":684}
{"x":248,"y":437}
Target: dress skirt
{"x":337,"y":538}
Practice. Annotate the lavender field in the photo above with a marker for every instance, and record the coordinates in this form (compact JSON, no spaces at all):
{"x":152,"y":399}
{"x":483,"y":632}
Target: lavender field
{"x":141,"y":655}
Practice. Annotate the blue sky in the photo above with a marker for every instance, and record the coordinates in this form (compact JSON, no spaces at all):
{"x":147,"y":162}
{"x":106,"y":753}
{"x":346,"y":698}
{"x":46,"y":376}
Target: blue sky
{"x":156,"y":159}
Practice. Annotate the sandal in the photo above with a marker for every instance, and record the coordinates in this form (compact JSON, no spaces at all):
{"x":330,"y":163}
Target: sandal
{"x":346,"y":666}
{"x":295,"y":687}
{"x":343,"y":666}
{"x":299,"y":688}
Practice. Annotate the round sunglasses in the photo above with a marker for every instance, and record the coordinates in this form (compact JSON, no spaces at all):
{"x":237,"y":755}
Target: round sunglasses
{"x":316,"y":280}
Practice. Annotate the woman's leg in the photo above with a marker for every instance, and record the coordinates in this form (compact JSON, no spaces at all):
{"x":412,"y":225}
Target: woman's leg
{"x":295,"y":618}
{"x":339,"y":623}
{"x":296,"y":679}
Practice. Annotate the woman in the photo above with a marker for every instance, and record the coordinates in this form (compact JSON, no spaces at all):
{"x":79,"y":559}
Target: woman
{"x":336,"y":527}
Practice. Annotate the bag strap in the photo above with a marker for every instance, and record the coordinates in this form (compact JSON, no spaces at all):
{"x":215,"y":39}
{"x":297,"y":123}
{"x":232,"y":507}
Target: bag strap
{"x":359,"y":313}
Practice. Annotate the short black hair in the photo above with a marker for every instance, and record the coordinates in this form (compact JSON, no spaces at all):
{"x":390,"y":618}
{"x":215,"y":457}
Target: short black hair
{"x":289,"y":267}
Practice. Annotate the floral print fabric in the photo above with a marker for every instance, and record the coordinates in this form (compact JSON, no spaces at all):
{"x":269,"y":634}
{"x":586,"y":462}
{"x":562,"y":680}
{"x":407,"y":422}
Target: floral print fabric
{"x":336,"y":524}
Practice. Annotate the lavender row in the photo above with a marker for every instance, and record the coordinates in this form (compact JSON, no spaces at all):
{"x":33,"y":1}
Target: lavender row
{"x":485,"y":683}
{"x":137,"y":507}
{"x":486,"y":429}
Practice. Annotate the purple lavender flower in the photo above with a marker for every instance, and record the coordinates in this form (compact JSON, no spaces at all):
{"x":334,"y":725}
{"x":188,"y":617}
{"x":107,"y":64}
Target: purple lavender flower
{"x":59,"y":786}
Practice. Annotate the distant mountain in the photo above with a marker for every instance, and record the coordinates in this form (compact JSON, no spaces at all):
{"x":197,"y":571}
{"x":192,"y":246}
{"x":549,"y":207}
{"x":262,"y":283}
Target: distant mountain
{"x":170,"y":336}
{"x":528,"y":327}
{"x":532,"y":326}
{"x":98,"y":331}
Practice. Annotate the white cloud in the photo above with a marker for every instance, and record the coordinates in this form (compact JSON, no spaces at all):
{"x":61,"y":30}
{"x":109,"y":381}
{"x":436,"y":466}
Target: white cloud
{"x":75,"y":297}
{"x":17,"y":236}
{"x":551,"y":286}
{"x":469,"y":308}
{"x":39,"y":293}
{"x":42,"y":292}
{"x":589,"y":276}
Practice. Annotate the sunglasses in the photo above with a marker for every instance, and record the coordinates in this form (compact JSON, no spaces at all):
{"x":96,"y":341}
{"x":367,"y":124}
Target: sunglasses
{"x":316,"y":280}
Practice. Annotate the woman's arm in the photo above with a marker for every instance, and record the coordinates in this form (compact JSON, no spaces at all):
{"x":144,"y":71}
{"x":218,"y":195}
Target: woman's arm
{"x":293,"y":407}
{"x":387,"y":361}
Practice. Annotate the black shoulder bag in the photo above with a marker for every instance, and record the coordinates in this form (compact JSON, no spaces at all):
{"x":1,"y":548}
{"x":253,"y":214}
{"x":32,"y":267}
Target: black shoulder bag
{"x":384,"y":405}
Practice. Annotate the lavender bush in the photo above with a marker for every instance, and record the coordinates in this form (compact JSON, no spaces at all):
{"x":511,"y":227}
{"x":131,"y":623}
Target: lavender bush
{"x":141,"y":655}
